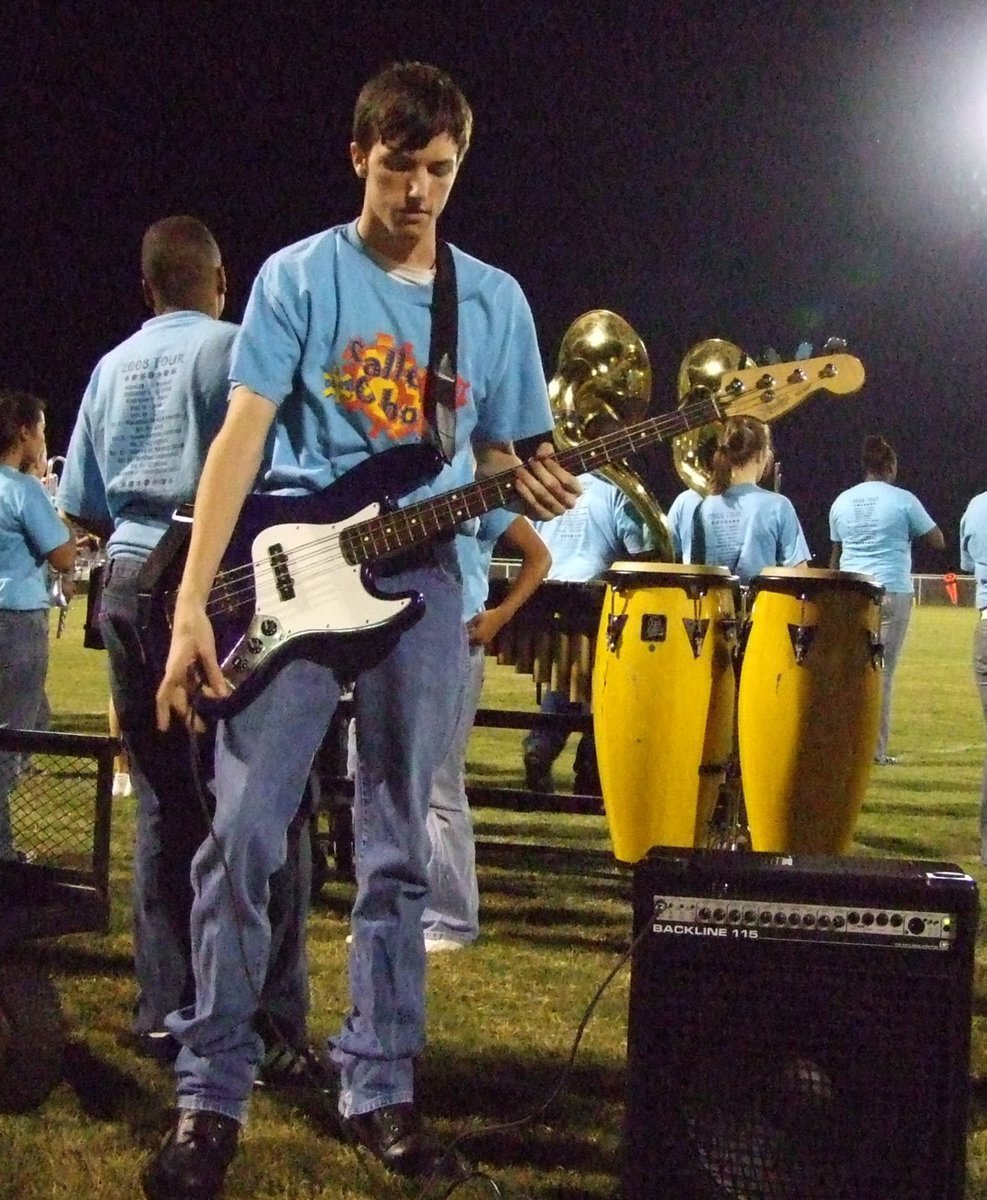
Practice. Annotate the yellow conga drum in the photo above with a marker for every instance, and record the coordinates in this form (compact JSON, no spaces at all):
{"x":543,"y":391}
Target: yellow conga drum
{"x":808,"y":706}
{"x":663,"y":701}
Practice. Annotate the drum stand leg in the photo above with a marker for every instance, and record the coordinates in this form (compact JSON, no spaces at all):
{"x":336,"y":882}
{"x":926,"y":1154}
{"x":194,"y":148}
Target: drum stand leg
{"x":727,"y":828}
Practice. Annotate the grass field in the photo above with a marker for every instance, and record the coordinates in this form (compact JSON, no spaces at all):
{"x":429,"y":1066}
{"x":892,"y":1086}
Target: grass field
{"x":503,"y":1015}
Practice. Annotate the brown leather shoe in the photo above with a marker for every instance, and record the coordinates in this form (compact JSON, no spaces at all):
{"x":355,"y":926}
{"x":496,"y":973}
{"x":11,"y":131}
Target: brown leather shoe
{"x":192,"y":1161}
{"x":394,"y":1135}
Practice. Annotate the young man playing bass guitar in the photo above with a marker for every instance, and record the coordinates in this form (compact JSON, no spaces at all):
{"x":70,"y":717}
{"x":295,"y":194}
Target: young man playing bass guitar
{"x":328,"y":370}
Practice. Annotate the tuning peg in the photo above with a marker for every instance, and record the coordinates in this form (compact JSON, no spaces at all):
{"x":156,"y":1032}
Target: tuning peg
{"x":834,"y":345}
{"x":770,"y":356}
{"x":804,"y":350}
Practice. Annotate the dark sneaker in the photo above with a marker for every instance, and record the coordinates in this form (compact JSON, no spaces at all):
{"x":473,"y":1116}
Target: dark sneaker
{"x":285,"y":1067}
{"x":158,"y":1045}
{"x":537,"y":776}
{"x":194,"y":1156}
{"x":394,"y":1136}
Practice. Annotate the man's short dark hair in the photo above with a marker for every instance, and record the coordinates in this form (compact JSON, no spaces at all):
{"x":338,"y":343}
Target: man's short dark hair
{"x":179,"y":257}
{"x":408,"y":104}
{"x":17,"y":411}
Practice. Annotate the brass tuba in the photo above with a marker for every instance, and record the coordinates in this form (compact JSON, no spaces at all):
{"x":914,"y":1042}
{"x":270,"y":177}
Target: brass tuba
{"x":703,"y":367}
{"x":602,"y":383}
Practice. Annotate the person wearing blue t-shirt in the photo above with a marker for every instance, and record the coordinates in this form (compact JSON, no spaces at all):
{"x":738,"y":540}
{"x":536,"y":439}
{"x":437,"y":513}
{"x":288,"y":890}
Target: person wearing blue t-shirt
{"x":973,"y":558}
{"x":451,"y":918}
{"x":602,"y":527}
{"x":739,"y":525}
{"x":872,"y":527}
{"x":329,"y":371}
{"x":151,"y":408}
{"x":32,"y":537}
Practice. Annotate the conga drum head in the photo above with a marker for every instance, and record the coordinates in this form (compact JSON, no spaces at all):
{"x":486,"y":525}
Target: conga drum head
{"x":793,"y":580}
{"x":657,"y":574}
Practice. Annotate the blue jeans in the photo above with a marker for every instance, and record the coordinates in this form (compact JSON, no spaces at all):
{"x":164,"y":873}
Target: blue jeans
{"x":543,"y":745}
{"x":406,"y":707}
{"x":23,"y":667}
{"x":452,"y":909}
{"x":896,"y":612}
{"x":170,"y":827}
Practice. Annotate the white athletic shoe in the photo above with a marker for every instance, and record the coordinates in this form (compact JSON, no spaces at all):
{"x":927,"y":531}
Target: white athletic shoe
{"x":439,"y":945}
{"x":122,"y":785}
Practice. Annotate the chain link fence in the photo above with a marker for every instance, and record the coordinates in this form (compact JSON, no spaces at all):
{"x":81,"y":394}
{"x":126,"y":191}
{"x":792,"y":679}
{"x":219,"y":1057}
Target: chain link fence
{"x":54,"y":875}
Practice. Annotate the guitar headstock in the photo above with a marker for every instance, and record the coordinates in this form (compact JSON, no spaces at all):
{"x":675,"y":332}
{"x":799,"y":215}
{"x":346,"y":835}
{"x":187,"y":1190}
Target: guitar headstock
{"x":769,"y":392}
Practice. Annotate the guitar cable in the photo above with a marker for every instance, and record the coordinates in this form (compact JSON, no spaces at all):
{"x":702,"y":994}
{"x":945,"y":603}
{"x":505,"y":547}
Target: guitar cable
{"x":540,"y":1109}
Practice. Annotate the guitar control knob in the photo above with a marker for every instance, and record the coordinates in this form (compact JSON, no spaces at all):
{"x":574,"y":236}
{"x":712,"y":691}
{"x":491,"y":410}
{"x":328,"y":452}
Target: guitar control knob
{"x":255,"y":645}
{"x":268,"y":627}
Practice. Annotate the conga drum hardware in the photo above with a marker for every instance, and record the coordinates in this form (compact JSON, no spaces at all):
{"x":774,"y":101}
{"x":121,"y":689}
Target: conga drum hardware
{"x":802,"y":637}
{"x":615,"y":627}
{"x":696,"y":630}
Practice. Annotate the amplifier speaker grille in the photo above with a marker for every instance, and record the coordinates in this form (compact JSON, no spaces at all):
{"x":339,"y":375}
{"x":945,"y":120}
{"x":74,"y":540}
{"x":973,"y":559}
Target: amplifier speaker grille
{"x":795,"y":1067}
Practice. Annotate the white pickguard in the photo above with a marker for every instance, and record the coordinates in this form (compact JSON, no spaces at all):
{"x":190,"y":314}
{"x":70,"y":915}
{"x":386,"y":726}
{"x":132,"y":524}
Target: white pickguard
{"x":328,"y":592}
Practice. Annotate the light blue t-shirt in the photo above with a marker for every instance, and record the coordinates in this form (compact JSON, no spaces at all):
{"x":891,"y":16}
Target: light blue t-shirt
{"x":601,"y":527}
{"x":152,"y":407}
{"x":680,"y":517}
{"x":29,"y":530}
{"x":745,"y":529}
{"x":876,"y":523}
{"x":341,"y":348}
{"x":973,"y":544}
{"x":475,"y":554}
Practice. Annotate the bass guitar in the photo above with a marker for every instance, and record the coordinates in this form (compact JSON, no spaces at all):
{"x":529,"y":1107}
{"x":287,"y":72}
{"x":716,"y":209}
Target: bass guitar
{"x":298,"y":575}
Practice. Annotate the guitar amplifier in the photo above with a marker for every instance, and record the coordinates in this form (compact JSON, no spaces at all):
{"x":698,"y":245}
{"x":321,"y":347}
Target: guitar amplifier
{"x":799,"y":1028}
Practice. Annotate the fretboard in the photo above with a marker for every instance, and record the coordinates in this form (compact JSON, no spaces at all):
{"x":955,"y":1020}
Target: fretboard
{"x":394,"y":532}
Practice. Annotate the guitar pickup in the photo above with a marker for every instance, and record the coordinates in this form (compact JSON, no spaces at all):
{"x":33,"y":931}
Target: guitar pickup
{"x":282,"y":575}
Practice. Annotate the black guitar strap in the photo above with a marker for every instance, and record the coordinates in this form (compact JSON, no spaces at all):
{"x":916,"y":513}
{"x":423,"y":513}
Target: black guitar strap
{"x":440,"y":383}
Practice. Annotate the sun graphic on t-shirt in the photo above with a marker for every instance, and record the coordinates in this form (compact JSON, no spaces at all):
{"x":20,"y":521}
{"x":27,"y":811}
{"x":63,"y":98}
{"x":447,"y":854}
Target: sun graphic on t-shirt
{"x":383,"y":381}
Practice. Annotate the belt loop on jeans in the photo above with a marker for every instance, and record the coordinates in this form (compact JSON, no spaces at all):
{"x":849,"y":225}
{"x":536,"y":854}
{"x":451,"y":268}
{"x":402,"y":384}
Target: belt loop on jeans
{"x":983,"y":614}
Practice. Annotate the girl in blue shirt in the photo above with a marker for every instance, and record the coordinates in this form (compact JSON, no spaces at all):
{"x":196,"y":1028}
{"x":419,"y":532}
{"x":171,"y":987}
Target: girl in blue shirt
{"x":31,"y":535}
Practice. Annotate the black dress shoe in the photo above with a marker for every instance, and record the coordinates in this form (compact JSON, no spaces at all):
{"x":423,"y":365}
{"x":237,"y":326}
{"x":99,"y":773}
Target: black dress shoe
{"x":192,"y":1161}
{"x":394,"y":1135}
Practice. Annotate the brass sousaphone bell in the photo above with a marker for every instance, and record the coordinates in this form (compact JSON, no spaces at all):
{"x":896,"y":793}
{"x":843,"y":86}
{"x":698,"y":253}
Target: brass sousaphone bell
{"x":703,"y":367}
{"x":602,"y":384}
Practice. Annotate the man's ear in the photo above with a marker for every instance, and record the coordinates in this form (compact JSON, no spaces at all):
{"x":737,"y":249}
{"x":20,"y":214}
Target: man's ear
{"x":147,"y":294}
{"x":358,"y":158}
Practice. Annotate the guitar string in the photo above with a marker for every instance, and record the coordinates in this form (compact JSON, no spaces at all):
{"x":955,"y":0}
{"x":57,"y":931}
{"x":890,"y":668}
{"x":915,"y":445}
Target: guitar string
{"x":400,"y":522}
{"x":235,"y":587}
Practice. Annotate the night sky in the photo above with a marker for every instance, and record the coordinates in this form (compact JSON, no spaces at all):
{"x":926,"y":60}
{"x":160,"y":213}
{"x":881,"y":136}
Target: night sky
{"x":768,"y":173}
